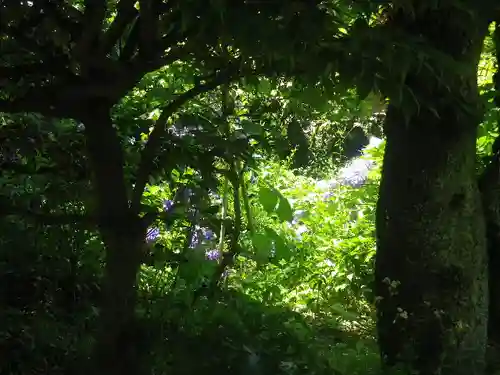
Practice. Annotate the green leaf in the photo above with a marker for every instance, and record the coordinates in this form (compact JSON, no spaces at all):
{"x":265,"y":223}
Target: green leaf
{"x":263,"y":246}
{"x":284,"y":210}
{"x":343,"y":313}
{"x":314,"y":97}
{"x":282,"y":250}
{"x":251,"y":127}
{"x":264,"y":86}
{"x":268,"y":198}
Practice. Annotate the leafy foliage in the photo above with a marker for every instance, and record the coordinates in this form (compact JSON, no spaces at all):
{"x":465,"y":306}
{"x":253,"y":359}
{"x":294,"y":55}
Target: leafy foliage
{"x":241,"y":128}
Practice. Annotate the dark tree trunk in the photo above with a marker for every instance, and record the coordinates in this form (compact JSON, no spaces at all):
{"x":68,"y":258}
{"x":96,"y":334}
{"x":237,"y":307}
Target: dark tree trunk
{"x":489,"y":183}
{"x":490,"y":189}
{"x":431,"y":263}
{"x":122,"y":231}
{"x":116,"y":349}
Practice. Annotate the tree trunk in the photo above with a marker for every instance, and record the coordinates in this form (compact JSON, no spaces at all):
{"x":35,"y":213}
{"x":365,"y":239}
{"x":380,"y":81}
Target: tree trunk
{"x":431,"y":263}
{"x":489,"y":184}
{"x":490,"y":189}
{"x":116,"y":351}
{"x":123,"y":233}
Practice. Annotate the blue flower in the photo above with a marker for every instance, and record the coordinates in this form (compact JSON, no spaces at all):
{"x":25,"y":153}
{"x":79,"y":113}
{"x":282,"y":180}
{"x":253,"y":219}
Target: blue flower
{"x":195,"y":239}
{"x":213,"y":254}
{"x":327,"y":196}
{"x":167,"y":205}
{"x":208,"y":234}
{"x":152,"y":235}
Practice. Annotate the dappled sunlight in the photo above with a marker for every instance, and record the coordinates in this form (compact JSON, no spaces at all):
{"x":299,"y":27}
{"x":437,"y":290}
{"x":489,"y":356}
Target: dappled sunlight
{"x":204,"y":187}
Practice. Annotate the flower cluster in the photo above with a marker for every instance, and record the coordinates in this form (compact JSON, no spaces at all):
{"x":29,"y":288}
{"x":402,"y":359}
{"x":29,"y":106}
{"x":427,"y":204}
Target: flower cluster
{"x":201,"y":236}
{"x":213,"y":254}
{"x":153,"y":233}
{"x":356,"y":173}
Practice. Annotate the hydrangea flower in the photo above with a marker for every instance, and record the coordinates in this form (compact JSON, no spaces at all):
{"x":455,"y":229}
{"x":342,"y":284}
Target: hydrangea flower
{"x":167,"y":205}
{"x":208,"y":234}
{"x":356,"y":173}
{"x":195,"y":239}
{"x":200,"y":235}
{"x":328,"y":195}
{"x":323,"y":184}
{"x":213,"y":254}
{"x":152,"y":235}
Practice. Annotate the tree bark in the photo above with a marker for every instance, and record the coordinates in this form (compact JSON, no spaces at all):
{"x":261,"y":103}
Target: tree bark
{"x":490,"y":188}
{"x":123,"y":233}
{"x":431,"y":262}
{"x":489,"y":184}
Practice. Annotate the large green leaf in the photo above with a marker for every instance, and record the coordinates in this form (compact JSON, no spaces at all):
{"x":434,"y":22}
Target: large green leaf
{"x":251,"y":127}
{"x":284,"y":210}
{"x":268,"y":198}
{"x":282,"y":250}
{"x":262,"y":245}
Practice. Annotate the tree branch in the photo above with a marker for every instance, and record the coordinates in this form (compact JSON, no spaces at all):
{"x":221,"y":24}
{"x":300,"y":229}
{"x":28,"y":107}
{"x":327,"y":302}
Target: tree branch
{"x":66,"y":16}
{"x":153,"y":145}
{"x":38,"y":101}
{"x":126,"y":13}
{"x":131,"y":43}
{"x":93,"y":18}
{"x":148,"y":25}
{"x":18,"y":72}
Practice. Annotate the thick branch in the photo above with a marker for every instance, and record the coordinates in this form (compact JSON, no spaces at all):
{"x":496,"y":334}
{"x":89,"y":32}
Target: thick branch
{"x":66,"y":16}
{"x":106,"y":161}
{"x":126,"y":13}
{"x":39,"y":101}
{"x":18,"y":72}
{"x":153,"y":145}
{"x":148,"y":23}
{"x":93,"y":18}
{"x":64,"y":100}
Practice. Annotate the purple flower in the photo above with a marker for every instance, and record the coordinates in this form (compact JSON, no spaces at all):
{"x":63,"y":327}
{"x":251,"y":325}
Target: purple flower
{"x":208,"y":234}
{"x":167,"y":205}
{"x":213,"y":254}
{"x":195,"y":239}
{"x":152,"y":235}
{"x":356,"y":173}
{"x":200,"y":235}
{"x":327,"y":196}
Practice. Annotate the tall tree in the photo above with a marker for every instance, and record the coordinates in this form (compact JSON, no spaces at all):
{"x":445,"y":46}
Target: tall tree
{"x":77,"y":59}
{"x":489,"y":183}
{"x":431,"y":262}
